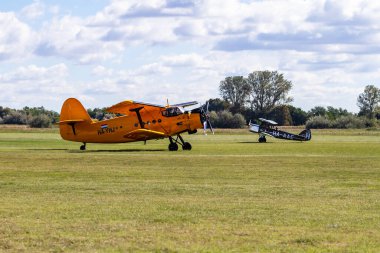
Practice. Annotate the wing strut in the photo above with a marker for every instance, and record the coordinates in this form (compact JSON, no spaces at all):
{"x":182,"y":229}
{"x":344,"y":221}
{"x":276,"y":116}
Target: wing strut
{"x":137,"y":111}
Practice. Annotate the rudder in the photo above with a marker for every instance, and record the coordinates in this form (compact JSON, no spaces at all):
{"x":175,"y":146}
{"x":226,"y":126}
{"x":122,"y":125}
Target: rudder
{"x":73,"y":110}
{"x":306,"y":134}
{"x":73,"y":115}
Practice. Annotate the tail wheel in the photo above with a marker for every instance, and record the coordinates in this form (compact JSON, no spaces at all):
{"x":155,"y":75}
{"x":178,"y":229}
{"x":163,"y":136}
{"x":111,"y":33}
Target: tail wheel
{"x":83,"y":147}
{"x":186,"y":146}
{"x":173,"y":146}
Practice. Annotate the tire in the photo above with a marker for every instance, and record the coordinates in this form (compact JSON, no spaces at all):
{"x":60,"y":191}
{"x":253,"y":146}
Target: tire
{"x":83,"y":147}
{"x":186,"y":146}
{"x":262,"y":139}
{"x":173,"y":147}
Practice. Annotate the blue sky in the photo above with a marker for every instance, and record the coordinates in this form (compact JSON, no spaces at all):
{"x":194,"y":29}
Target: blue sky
{"x":102,"y":52}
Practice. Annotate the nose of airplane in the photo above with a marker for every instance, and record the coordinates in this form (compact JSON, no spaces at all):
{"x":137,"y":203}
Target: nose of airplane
{"x":204,"y":115}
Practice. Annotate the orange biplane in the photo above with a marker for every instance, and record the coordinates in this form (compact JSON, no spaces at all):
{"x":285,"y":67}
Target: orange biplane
{"x":139,"y":122}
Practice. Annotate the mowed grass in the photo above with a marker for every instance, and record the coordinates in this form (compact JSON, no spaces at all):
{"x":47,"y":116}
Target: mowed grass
{"x":229,"y":194}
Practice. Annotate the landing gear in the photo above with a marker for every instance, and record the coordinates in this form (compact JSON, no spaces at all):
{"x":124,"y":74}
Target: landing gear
{"x":173,"y":146}
{"x":262,"y":139}
{"x":83,"y":147}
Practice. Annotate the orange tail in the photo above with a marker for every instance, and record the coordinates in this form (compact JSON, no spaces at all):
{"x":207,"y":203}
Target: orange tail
{"x":72,"y":115}
{"x":72,"y":109}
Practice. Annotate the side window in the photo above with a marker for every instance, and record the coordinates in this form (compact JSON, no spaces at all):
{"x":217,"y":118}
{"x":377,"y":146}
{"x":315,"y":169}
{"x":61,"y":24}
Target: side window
{"x":171,"y":112}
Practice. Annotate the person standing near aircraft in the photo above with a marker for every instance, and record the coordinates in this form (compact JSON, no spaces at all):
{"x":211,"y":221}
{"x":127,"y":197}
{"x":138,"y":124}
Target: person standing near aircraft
{"x":205,"y":123}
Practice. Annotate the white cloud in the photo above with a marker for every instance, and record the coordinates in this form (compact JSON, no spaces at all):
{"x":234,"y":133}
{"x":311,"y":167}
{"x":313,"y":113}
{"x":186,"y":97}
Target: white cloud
{"x":34,"y":10}
{"x":183,"y":49}
{"x":100,"y":70}
{"x":35,"y":86}
{"x":16,"y":38}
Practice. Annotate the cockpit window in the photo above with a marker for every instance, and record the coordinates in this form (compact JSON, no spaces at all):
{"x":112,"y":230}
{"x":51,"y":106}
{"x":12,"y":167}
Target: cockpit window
{"x":171,"y":112}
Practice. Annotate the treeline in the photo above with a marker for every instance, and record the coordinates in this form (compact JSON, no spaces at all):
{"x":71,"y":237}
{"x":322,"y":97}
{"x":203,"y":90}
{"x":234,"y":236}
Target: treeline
{"x":288,"y":115}
{"x":37,"y":117}
{"x":264,"y":94}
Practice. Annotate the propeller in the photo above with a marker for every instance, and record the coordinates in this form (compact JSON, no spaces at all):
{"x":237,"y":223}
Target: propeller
{"x":207,"y":117}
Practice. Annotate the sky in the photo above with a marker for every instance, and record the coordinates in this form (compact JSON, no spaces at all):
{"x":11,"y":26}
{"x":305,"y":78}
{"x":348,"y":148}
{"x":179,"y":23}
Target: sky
{"x":104,"y":52}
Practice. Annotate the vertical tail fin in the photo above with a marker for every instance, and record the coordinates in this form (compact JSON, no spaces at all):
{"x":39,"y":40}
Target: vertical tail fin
{"x":73,"y":110}
{"x":306,"y":134}
{"x":72,"y":115}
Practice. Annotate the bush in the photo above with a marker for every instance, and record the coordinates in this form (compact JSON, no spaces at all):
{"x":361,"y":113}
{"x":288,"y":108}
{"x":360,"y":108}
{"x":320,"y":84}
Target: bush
{"x":40,"y":121}
{"x":317,"y":122}
{"x":343,"y":122}
{"x":348,"y":122}
{"x":15,"y":117}
{"x":238,"y":121}
{"x":1,"y":120}
{"x":226,"y":119}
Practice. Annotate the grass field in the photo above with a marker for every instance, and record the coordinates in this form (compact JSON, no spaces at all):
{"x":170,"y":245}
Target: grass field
{"x":229,"y":194}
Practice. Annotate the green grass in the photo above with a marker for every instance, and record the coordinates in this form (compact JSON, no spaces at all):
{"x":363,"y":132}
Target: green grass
{"x":229,"y":194}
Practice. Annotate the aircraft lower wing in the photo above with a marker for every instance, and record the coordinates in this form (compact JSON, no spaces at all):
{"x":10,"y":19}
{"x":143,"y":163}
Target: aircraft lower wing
{"x":144,"y":134}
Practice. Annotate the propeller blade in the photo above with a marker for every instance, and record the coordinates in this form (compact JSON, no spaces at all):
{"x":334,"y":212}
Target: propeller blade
{"x":209,"y":124}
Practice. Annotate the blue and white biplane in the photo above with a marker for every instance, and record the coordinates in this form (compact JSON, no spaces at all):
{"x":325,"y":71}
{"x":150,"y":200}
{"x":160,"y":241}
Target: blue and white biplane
{"x":269,"y":128}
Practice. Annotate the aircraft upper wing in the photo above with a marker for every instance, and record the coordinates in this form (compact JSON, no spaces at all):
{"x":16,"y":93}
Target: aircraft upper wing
{"x":186,"y":104}
{"x":271,"y":122}
{"x":144,"y":134}
{"x":127,"y":105}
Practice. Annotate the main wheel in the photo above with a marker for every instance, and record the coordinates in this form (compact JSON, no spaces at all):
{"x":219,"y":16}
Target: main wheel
{"x":262,"y":139}
{"x":173,"y":146}
{"x":186,"y":146}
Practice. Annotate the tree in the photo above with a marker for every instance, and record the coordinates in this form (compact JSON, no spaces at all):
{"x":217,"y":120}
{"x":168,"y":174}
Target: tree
{"x":317,"y":111}
{"x":368,"y":101}
{"x":4,"y":111}
{"x":335,"y":113}
{"x":281,"y":114}
{"x":267,"y":90}
{"x":217,"y":105}
{"x":235,"y":90}
{"x":299,"y":116}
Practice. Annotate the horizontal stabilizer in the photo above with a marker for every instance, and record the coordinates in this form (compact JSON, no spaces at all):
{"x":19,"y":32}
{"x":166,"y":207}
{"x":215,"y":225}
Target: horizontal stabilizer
{"x":70,"y":121}
{"x":144,"y":134}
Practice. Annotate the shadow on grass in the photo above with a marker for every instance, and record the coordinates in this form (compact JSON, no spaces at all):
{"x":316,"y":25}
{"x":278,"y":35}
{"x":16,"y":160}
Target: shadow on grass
{"x":253,"y":142}
{"x":115,"y":150}
{"x":268,"y":142}
{"x":47,"y":149}
{"x":96,"y":151}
